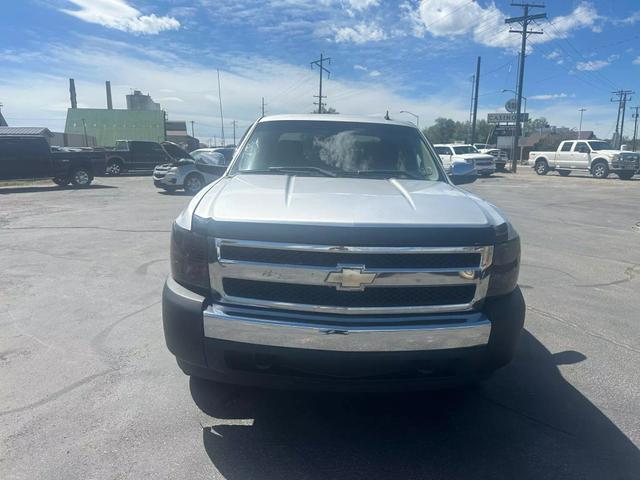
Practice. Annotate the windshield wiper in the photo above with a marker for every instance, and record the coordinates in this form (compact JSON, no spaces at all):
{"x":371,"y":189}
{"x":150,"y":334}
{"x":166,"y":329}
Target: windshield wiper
{"x":293,"y":169}
{"x":390,"y":173}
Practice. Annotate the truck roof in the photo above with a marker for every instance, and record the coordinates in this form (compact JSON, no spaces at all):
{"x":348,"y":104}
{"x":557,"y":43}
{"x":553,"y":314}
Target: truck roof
{"x":334,"y":118}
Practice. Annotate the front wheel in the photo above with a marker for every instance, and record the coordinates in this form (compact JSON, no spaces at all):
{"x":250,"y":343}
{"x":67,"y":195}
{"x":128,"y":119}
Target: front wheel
{"x":193,"y":183}
{"x":81,"y":177}
{"x":600,"y":170}
{"x":542,"y":167}
{"x":626,"y":174}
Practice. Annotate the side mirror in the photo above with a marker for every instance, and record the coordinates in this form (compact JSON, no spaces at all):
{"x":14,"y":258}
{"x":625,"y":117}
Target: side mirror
{"x":462,"y":173}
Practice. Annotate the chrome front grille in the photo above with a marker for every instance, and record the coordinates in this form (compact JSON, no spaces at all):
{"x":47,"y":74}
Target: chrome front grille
{"x":349,"y":280}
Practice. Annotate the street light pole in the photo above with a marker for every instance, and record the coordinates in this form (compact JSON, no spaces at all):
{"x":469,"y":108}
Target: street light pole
{"x":582,"y":110}
{"x":417,"y":117}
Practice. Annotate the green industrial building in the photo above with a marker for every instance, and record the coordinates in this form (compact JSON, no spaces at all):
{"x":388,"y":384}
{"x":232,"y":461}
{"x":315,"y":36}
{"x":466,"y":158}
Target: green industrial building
{"x":108,"y":126}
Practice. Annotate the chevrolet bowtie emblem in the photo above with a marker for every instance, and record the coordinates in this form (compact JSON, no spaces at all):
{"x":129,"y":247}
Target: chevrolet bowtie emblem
{"x":350,"y":278}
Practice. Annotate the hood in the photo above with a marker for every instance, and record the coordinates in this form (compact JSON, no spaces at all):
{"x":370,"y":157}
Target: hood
{"x":175,"y":151}
{"x":298,"y":200}
{"x":613,"y":152}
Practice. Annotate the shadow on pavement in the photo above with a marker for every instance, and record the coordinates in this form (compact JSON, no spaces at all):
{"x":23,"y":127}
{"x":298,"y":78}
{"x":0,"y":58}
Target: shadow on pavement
{"x":49,"y":188}
{"x":526,"y":422}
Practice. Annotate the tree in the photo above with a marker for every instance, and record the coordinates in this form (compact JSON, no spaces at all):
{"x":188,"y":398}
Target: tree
{"x":534,"y":125}
{"x":442,"y":131}
{"x":329,"y":110}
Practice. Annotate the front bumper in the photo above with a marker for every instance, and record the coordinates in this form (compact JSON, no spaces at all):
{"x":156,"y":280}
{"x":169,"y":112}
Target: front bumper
{"x":485,"y":169}
{"x":433,"y":332}
{"x":259,"y":347}
{"x":165,"y":181}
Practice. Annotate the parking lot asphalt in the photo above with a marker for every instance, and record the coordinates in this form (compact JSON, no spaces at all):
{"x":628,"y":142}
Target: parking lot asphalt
{"x":89,"y":390}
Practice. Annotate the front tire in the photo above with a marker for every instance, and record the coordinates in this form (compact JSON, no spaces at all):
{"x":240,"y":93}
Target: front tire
{"x":193,"y":183}
{"x":626,"y":175}
{"x":600,"y":170}
{"x":81,"y":177}
{"x":542,"y":167}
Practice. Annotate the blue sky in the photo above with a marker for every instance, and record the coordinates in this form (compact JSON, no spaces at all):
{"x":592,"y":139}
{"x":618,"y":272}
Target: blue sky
{"x":407,"y":55}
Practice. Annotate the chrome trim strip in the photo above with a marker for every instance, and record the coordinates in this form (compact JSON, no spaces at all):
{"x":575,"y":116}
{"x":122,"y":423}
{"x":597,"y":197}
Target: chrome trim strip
{"x":347,"y":249}
{"x":221,"y":325}
{"x":315,"y":275}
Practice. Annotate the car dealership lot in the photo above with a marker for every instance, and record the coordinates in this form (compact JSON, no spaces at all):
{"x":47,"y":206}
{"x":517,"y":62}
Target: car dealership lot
{"x":90,"y":391}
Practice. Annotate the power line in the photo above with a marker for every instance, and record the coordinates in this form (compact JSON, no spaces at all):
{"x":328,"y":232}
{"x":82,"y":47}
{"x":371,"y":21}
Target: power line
{"x":525,"y":20}
{"x":321,"y":68}
{"x":220,"y":101}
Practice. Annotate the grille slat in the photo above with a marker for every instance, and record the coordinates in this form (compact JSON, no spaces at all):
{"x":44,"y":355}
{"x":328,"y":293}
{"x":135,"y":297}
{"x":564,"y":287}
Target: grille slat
{"x":331,"y":259}
{"x":329,"y":296}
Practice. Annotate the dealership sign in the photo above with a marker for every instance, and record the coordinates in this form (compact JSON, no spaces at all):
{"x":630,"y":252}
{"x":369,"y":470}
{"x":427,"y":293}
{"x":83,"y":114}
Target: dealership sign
{"x":506,"y":117}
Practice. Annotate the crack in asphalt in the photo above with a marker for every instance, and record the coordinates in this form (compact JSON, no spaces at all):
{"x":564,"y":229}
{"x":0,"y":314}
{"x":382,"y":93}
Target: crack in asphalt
{"x":545,"y":267}
{"x":591,"y":333}
{"x":55,"y":395}
{"x":142,"y":269}
{"x":629,"y":272}
{"x":99,"y":339}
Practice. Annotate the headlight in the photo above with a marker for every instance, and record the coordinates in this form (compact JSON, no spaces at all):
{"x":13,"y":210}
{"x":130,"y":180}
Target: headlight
{"x":506,"y":261}
{"x":172,"y":170}
{"x":469,"y":161}
{"x":189,"y":259}
{"x":615,"y":157}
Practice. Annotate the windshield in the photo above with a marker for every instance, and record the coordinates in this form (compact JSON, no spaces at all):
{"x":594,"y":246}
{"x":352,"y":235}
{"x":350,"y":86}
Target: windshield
{"x":599,"y":145}
{"x":337,"y":149}
{"x":464,"y":149}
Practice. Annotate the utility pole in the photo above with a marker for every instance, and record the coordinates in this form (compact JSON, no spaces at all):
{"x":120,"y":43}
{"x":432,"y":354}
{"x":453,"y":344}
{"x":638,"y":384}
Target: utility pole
{"x":524,"y":21}
{"x":623,"y":97}
{"x":262,"y":107}
{"x":234,"y":132}
{"x":221,"y":116}
{"x":582,"y":110}
{"x":192,"y":132}
{"x":635,"y":127}
{"x":475,"y":103}
{"x":320,"y":65}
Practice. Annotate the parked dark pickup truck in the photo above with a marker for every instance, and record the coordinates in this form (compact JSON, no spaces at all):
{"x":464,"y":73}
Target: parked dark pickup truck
{"x":135,"y":155}
{"x":31,"y":157}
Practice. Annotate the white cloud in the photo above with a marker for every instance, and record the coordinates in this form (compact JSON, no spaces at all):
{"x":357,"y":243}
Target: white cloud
{"x":362,"y":4}
{"x":555,"y":56}
{"x":548,"y":96}
{"x":463,"y":19}
{"x":374,"y":73}
{"x":360,"y":67}
{"x":360,"y":33}
{"x":170,"y":99}
{"x":592,"y":65}
{"x":119,"y":15}
{"x":636,"y":61}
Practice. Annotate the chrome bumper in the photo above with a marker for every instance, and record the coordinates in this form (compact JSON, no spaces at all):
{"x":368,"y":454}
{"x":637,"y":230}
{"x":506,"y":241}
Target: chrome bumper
{"x":472,"y":331}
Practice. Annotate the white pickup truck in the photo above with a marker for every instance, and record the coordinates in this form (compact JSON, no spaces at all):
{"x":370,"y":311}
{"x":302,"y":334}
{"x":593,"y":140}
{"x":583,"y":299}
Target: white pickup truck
{"x":484,"y":164}
{"x":595,"y":156}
